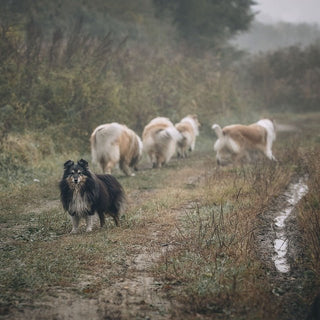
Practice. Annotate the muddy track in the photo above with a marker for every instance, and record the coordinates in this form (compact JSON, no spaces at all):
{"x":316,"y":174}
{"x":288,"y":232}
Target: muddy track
{"x":280,"y":248}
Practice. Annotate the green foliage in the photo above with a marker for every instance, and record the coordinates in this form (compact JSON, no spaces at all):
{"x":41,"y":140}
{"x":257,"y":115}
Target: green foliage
{"x":76,"y":81}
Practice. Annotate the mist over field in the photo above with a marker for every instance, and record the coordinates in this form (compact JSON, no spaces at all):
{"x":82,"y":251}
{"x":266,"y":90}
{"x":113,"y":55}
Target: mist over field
{"x":280,"y":24}
{"x":196,"y":239}
{"x":262,"y":37}
{"x":67,"y":63}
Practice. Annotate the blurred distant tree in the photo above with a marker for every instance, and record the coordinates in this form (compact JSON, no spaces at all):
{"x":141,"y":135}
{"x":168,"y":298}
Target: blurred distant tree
{"x":286,"y":79}
{"x":207,"y":23}
{"x":98,"y":16}
{"x":11,"y":12}
{"x":267,"y":37}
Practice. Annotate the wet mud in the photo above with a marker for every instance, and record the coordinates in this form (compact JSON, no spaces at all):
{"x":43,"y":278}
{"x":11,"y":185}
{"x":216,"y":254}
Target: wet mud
{"x":280,"y":248}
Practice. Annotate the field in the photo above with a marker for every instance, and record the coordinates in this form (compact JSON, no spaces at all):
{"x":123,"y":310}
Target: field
{"x":188,"y":245}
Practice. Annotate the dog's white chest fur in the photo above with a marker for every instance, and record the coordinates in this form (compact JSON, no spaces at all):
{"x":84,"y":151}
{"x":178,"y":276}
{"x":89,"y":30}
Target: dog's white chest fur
{"x":79,"y":204}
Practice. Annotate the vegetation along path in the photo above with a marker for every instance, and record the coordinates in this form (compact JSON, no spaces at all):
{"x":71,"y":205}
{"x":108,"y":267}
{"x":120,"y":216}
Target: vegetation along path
{"x":189,"y":246}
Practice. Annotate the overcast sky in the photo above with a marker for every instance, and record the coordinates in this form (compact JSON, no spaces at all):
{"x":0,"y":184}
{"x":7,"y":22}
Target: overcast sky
{"x":295,"y":11}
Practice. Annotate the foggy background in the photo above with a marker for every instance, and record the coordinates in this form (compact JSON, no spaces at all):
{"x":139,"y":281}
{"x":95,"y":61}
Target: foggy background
{"x":292,"y":11}
{"x":68,"y":66}
{"x":280,"y":24}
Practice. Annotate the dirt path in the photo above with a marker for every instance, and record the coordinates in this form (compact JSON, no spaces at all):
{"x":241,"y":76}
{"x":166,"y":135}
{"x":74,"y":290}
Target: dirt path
{"x":133,"y":295}
{"x":132,"y":292}
{"x":138,"y":295}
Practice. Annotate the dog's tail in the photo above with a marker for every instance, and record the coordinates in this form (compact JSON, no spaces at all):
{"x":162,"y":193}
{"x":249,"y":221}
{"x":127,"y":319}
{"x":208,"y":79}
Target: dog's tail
{"x":224,"y":140}
{"x":111,"y":189}
{"x":217,"y":130}
{"x":171,"y":132}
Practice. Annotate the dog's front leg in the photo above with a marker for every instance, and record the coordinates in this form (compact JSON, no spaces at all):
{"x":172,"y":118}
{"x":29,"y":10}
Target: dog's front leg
{"x":125,"y":168}
{"x":89,"y":220}
{"x":75,"y":223}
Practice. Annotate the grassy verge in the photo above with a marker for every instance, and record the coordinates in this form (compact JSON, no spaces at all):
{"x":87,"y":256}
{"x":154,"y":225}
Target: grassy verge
{"x":214,"y":263}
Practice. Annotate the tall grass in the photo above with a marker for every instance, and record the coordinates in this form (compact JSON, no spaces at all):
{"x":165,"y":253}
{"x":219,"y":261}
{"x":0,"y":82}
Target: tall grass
{"x":309,"y":210}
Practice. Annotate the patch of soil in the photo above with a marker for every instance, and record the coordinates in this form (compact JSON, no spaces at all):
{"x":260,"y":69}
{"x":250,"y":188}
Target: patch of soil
{"x":137,"y":295}
{"x":44,"y":206}
{"x":19,"y":228}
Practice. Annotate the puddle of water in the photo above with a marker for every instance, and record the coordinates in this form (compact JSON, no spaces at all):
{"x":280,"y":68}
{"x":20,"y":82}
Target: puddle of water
{"x":281,"y":248}
{"x":294,"y":194}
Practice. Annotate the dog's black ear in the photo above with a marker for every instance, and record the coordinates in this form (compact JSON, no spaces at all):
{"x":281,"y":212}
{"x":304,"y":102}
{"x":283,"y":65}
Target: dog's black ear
{"x":83,"y":163}
{"x":68,"y":164}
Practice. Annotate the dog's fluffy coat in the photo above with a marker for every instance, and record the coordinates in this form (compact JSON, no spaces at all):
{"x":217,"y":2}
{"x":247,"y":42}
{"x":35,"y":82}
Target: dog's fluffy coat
{"x":189,"y":129}
{"x":115,"y":143}
{"x":83,"y":193}
{"x":236,"y":141}
{"x":159,"y":139}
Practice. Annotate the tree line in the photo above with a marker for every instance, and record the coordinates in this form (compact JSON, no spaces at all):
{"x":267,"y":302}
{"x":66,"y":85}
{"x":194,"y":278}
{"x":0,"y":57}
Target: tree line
{"x":68,"y":66}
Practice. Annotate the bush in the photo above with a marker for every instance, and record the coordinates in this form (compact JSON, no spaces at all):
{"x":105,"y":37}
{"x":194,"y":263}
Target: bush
{"x":76,"y":81}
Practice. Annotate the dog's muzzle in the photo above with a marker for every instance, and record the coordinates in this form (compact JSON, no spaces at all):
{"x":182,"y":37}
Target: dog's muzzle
{"x":76,"y":178}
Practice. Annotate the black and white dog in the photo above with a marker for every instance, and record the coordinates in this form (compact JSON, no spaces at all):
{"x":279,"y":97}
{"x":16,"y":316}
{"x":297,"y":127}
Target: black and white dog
{"x":83,"y":193}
